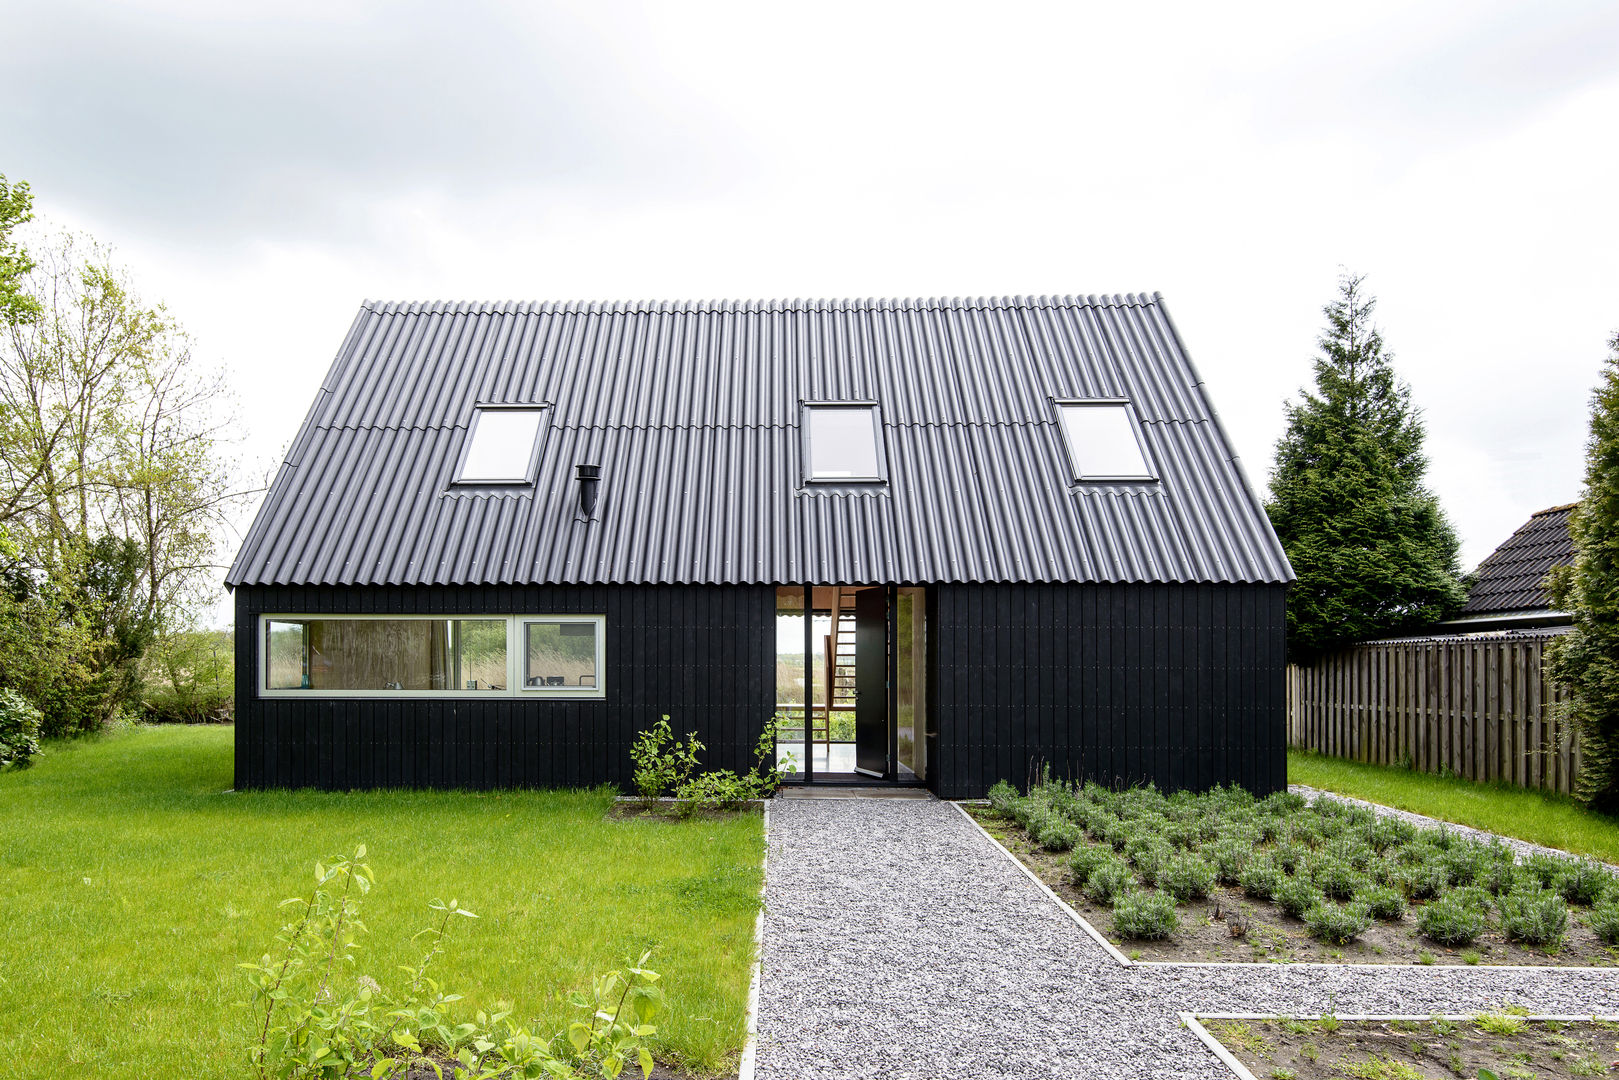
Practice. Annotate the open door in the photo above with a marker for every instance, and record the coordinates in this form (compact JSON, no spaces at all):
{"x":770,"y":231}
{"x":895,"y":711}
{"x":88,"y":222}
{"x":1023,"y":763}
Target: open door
{"x":871,"y":682}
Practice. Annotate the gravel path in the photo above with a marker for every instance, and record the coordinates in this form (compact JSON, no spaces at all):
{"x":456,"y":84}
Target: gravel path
{"x":900,"y":943}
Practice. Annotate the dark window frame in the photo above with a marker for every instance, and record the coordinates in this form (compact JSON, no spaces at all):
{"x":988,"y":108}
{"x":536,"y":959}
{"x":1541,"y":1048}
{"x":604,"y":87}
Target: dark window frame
{"x":806,"y":444}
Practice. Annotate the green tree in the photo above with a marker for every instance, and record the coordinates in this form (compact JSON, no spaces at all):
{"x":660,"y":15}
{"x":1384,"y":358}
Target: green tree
{"x":1586,"y":659}
{"x":16,"y":208}
{"x":1373,"y":552}
{"x":113,"y":486}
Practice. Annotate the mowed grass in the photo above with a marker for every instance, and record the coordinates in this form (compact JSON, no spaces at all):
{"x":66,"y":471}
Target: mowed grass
{"x":131,"y":885}
{"x":1538,"y":817}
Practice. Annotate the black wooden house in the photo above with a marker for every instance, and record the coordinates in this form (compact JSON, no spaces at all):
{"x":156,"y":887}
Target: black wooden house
{"x":949,"y":541}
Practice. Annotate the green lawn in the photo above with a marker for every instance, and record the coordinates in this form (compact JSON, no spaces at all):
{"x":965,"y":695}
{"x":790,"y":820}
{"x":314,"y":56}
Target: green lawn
{"x":132,"y":884}
{"x":1541,"y":818}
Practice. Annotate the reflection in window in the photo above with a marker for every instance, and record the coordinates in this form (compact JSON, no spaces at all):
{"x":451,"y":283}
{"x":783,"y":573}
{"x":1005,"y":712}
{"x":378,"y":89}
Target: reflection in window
{"x":561,"y":653}
{"x":842,"y":442}
{"x":1102,"y":441}
{"x":386,"y":654}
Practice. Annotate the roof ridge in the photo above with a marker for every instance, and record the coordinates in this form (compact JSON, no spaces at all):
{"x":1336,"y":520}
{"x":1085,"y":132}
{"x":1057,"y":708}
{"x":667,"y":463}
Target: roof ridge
{"x":647,"y":306}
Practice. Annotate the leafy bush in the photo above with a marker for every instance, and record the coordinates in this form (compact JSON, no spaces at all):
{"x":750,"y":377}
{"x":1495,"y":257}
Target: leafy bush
{"x":1465,"y":862}
{"x":1424,"y":881}
{"x":1185,"y":877}
{"x":1542,"y":869}
{"x":1383,"y":902}
{"x":1584,"y":882}
{"x":321,"y":1021}
{"x":1283,"y":803}
{"x":1337,"y":924}
{"x":1058,"y":832}
{"x":19,"y":730}
{"x":1003,"y":797}
{"x":1228,"y":858}
{"x":1145,"y":916}
{"x":1297,"y":896}
{"x":1533,"y":916}
{"x":1337,"y":880}
{"x":1604,"y":921}
{"x":1085,"y":859}
{"x":1109,"y":881}
{"x":723,"y":789}
{"x":1449,"y":921}
{"x":1501,"y":874}
{"x":1261,"y":878}
{"x":657,"y":769}
{"x":1389,"y":832}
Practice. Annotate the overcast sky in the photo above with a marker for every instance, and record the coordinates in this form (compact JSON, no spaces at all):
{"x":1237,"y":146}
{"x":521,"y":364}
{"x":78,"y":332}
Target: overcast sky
{"x":264,"y":168}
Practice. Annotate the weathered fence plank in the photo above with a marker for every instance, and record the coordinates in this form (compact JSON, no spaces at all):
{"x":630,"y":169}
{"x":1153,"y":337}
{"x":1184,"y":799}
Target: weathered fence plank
{"x":1480,"y":708}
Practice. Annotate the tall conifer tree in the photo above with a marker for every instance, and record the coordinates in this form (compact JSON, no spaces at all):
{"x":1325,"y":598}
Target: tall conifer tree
{"x":1373,"y":551}
{"x":1586,"y":659}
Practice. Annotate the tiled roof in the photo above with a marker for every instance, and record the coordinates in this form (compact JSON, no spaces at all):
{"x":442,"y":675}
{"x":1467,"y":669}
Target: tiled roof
{"x":693,"y":412}
{"x":1511,"y":578}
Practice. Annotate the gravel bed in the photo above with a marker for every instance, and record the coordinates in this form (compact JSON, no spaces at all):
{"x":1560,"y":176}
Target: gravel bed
{"x":1523,"y":848}
{"x":900,"y":943}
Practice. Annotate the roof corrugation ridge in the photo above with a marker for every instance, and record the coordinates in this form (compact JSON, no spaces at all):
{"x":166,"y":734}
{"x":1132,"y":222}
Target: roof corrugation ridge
{"x":712,"y":305}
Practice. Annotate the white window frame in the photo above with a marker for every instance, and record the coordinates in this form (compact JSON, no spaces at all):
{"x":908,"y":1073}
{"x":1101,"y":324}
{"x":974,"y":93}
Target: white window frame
{"x":516,"y":643}
{"x":875,"y":411}
{"x":1081,"y":477}
{"x":519,"y":638}
{"x":529,"y":467}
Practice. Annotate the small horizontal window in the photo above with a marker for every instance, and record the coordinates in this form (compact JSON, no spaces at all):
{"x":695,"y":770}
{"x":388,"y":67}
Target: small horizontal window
{"x":500,"y":448}
{"x":1103,"y":442}
{"x":843,"y":442}
{"x":423,"y":656}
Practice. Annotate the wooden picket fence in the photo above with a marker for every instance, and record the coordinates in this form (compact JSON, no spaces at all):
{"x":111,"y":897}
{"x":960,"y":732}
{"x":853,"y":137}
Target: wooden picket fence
{"x":1479,"y":707}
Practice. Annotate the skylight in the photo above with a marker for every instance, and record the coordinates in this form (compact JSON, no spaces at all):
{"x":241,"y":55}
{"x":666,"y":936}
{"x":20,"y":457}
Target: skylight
{"x":501,"y":449}
{"x":842,"y":442}
{"x":1103,"y":443}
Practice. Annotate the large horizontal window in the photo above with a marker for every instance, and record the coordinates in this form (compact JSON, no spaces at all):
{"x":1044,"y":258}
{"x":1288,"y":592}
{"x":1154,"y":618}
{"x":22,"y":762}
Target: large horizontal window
{"x":419,"y":656}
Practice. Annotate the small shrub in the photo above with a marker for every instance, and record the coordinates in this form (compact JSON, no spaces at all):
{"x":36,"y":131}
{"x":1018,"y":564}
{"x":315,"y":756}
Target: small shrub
{"x":1145,"y":916}
{"x":1542,"y":869}
{"x":1389,"y":832}
{"x":1288,"y":856}
{"x":1337,"y":924}
{"x":1003,"y":797}
{"x":1228,"y":858}
{"x":19,"y":730}
{"x":1465,"y":862}
{"x":1086,"y":858}
{"x":1283,"y":803}
{"x":1337,"y":880}
{"x":1448,"y":921}
{"x":1297,"y":896}
{"x":1305,"y":832}
{"x":1058,"y":833}
{"x":1501,"y":874}
{"x":1533,"y":916}
{"x":1383,"y":902}
{"x":1261,"y":878}
{"x":1474,"y":896}
{"x":1424,"y":881}
{"x":658,"y":769}
{"x":1584,"y":882}
{"x":1109,"y":881}
{"x":1150,"y":857}
{"x":718,"y":790}
{"x":1604,"y":921}
{"x":1185,"y":877}
{"x":1118,"y":832}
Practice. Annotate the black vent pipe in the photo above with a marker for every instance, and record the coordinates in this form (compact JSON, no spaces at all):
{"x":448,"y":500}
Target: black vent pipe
{"x":590,"y":478}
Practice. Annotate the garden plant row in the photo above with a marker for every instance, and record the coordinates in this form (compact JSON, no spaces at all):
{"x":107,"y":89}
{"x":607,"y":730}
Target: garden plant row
{"x":1339,"y":871}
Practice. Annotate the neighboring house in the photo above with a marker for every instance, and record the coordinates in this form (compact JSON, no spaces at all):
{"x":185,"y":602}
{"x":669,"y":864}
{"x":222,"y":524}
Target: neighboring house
{"x":510,"y":536}
{"x":1509,"y":587}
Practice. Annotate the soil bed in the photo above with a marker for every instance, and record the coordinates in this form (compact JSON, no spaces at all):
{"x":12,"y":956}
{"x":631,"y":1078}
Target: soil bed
{"x":1272,"y":936}
{"x":1509,"y":1046}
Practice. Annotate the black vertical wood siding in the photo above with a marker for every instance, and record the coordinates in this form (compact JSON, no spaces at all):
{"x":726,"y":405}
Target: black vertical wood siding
{"x":1182,"y":686}
{"x":703,"y":654}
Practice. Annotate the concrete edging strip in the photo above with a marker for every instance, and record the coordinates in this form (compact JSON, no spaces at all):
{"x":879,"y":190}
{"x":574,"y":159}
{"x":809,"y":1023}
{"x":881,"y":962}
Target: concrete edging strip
{"x":750,"y":1048}
{"x":1312,"y":964}
{"x":1194,"y":1024}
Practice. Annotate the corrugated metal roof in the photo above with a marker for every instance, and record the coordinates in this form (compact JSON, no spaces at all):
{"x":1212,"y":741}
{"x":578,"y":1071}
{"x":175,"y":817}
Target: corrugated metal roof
{"x":1512,"y":578}
{"x":692,"y":410}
